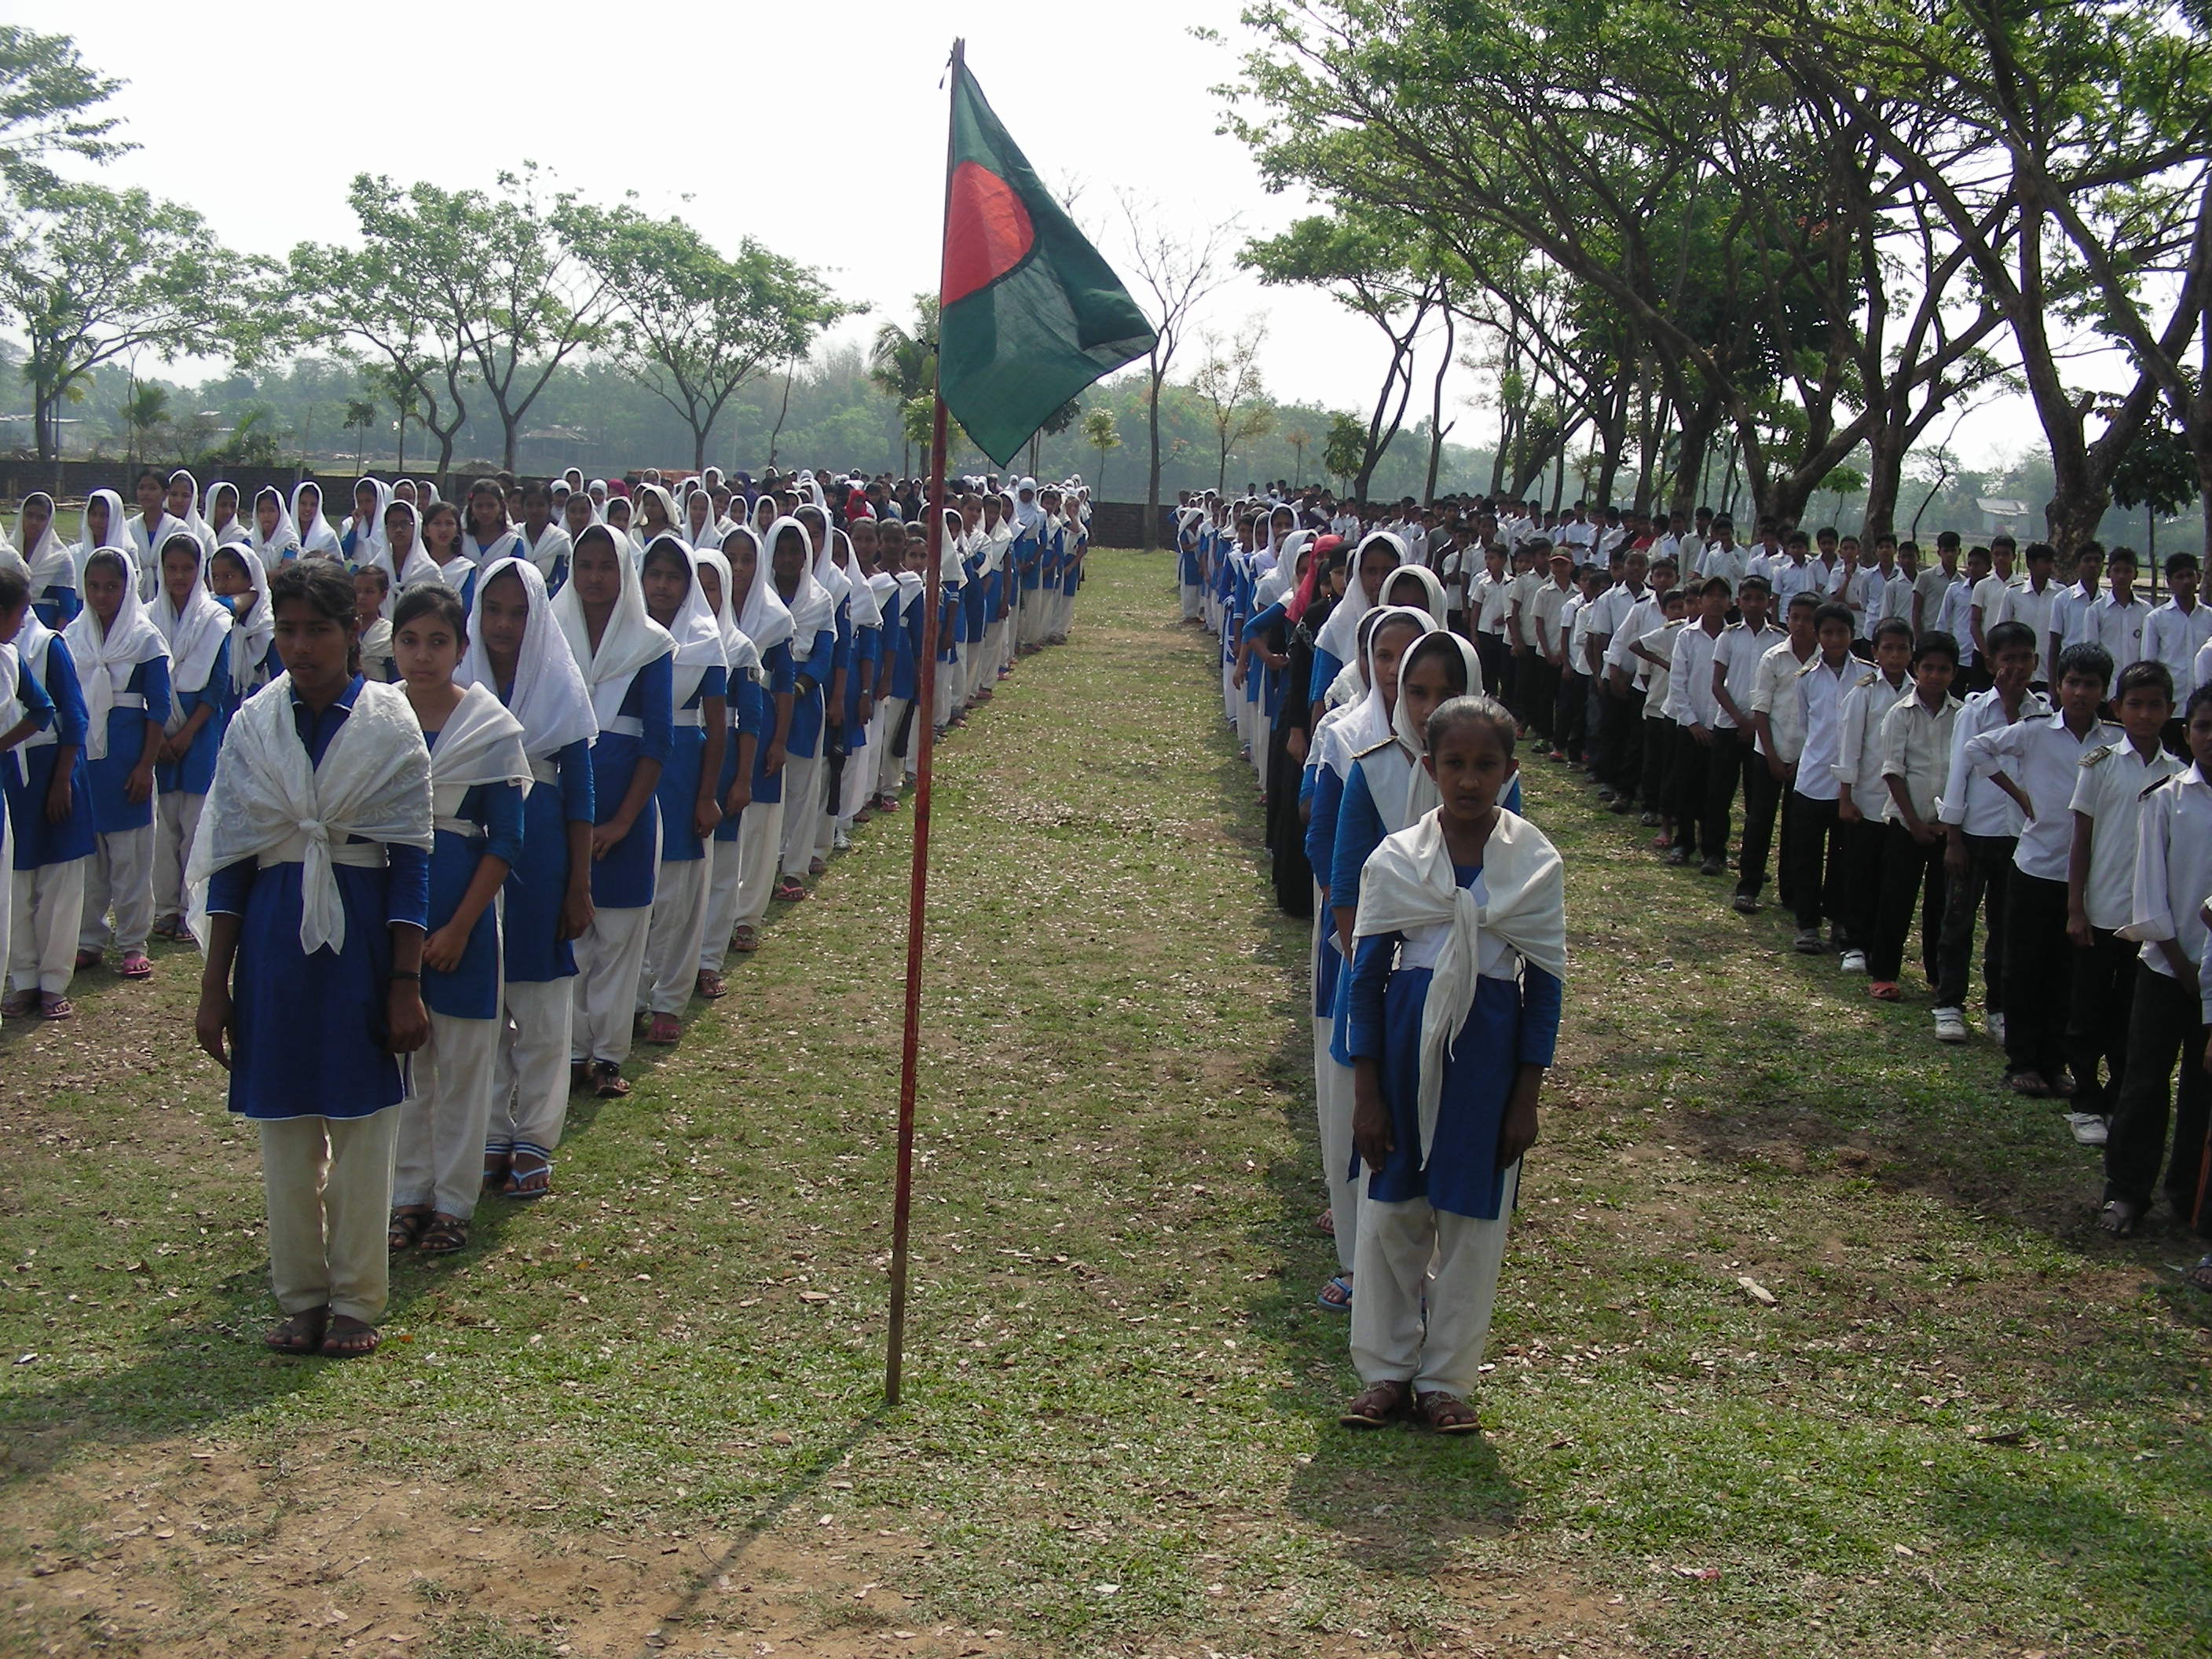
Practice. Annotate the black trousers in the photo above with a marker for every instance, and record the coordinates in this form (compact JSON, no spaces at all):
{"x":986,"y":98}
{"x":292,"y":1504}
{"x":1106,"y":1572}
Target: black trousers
{"x":1657,"y":784}
{"x":2101,"y":990}
{"x":1542,"y":678}
{"x":1810,"y":846}
{"x":1692,"y":767}
{"x":2038,"y":962}
{"x":1858,"y":878}
{"x":1765,"y":796}
{"x":1619,"y":716}
{"x":1988,"y":868}
{"x":1910,"y":874}
{"x":1490,"y":652}
{"x":2165,"y":1024}
{"x":1731,"y":748}
{"x":1569,"y":712}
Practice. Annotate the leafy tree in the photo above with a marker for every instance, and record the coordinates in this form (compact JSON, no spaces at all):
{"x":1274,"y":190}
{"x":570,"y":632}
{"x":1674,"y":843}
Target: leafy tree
{"x":2157,"y":472}
{"x":91,"y":275}
{"x":1101,"y":433}
{"x":50,"y":105}
{"x":144,"y":413}
{"x":1343,"y":452}
{"x":1179,"y":273}
{"x":360,"y":416}
{"x":692,"y":325}
{"x":1055,"y":424}
{"x":1228,"y":385}
{"x":903,"y":365}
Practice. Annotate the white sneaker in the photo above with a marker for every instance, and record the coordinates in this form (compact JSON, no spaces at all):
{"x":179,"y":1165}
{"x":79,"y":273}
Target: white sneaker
{"x":2088,"y":1128}
{"x":1950,"y":1025}
{"x":840,"y":840}
{"x":1994,"y":1025}
{"x":1853,"y":962}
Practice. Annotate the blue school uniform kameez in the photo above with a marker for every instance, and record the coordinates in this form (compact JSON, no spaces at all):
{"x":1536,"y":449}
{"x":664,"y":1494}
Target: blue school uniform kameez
{"x":751,"y":714}
{"x":311,"y":1030}
{"x":867,"y":655}
{"x":809,"y":689}
{"x":144,"y":696}
{"x":56,"y":606}
{"x":470,"y":990}
{"x":1512,"y":1024}
{"x":27,"y":771}
{"x":645,"y":730}
{"x":677,"y":792}
{"x":537,"y":879}
{"x":193,"y":774}
{"x":974,"y":611}
{"x":782,"y":681}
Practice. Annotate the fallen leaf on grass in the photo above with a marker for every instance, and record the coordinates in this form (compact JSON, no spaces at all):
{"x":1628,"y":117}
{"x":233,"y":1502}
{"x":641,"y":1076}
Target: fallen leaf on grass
{"x":1756,"y":1291}
{"x":1708,"y":1574}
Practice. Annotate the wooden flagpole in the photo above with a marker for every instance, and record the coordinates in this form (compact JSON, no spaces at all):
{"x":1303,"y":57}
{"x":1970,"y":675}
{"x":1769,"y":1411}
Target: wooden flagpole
{"x":918,"y":883}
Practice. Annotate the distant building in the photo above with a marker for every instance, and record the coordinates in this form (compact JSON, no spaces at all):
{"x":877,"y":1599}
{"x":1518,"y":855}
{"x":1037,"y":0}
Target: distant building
{"x":2002,"y":514}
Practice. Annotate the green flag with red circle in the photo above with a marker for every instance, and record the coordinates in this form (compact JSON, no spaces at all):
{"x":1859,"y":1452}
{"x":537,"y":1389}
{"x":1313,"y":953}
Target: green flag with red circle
{"x":1029,"y":313}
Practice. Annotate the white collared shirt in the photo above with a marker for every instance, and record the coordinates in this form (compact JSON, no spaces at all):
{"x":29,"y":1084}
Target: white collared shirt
{"x":1737,"y":656}
{"x":1820,"y":689}
{"x":1916,"y":750}
{"x":1858,"y":756}
{"x":1690,"y":691}
{"x":2173,"y":869}
{"x":1970,"y":799}
{"x":2108,"y":790}
{"x":2118,"y":628}
{"x":1774,"y":694}
{"x":2043,"y":757}
{"x":2176,"y":638}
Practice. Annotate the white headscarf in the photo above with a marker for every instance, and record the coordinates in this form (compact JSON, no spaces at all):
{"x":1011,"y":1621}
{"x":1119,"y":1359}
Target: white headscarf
{"x":638,"y":533}
{"x":237,"y":530}
{"x":1029,"y":515}
{"x":51,"y":563}
{"x":251,"y":634}
{"x":1432,"y":589}
{"x":1420,"y":787}
{"x":194,"y":634}
{"x":761,"y":615}
{"x":697,"y":634}
{"x":737,"y":651}
{"x":201,"y":531}
{"x":549,"y":696}
{"x":866,"y":613}
{"x":813,"y":609}
{"x":1340,"y":634}
{"x":481,"y":742}
{"x":1371,"y":721}
{"x":117,"y":536}
{"x":316,"y":535}
{"x":368,"y":538}
{"x":283,"y":544}
{"x":1408,"y":882}
{"x":106,"y":656}
{"x":1278,"y":582}
{"x":632,"y":639}
{"x":832,"y":579}
{"x":420,"y":566}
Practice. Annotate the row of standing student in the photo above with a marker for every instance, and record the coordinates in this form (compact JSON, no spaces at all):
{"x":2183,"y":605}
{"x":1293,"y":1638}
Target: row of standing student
{"x":1393,"y":796}
{"x":590,"y":757}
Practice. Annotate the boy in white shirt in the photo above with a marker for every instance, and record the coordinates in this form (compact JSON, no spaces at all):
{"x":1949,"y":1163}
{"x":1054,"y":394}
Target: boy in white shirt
{"x":1933,"y":582}
{"x":2178,"y":632}
{"x":1810,"y":846}
{"x":1655,"y":652}
{"x":1690,"y":691}
{"x":2066,"y":612}
{"x":1779,"y":733}
{"x":1916,"y":755}
{"x":1735,"y":676}
{"x":1986,"y":604}
{"x":1861,"y":795}
{"x":1956,"y":617}
{"x":2100,"y":871}
{"x":2166,"y":1020}
{"x":2037,"y":763}
{"x":2116,"y":618}
{"x":2032,"y":602}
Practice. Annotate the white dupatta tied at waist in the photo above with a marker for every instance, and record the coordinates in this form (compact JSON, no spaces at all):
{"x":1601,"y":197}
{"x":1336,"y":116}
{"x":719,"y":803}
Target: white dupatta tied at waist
{"x":1408,"y":883}
{"x":270,"y":803}
{"x":481,"y":742}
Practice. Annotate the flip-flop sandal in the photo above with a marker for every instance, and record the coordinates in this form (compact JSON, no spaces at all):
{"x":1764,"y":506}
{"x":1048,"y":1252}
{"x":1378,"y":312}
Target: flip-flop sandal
{"x":607,"y":1081}
{"x":2118,"y":1217}
{"x":816,"y":866}
{"x":789,"y":891}
{"x":745,"y":940}
{"x":1376,"y":1404}
{"x":1341,"y":1301}
{"x":303,"y":1332}
{"x":444,"y":1235}
{"x":57,"y":1008}
{"x":1447,"y":1413}
{"x":710,"y":987}
{"x":665,"y":1031}
{"x":358,"y":1341}
{"x":136,"y":965}
{"x":2200,"y":1276}
{"x":89,"y":959}
{"x":526,"y":1182}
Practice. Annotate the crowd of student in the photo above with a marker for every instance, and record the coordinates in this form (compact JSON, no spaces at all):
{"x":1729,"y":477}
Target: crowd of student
{"x":459,"y":799}
{"x":1966,"y":742}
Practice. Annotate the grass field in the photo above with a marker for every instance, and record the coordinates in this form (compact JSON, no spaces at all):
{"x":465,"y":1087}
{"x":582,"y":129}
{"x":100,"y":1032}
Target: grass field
{"x":645,"y":1417}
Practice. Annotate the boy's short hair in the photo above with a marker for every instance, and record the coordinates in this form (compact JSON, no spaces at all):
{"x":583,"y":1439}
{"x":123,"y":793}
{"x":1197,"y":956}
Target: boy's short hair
{"x":2035,"y":550}
{"x":1760,"y":583}
{"x":1892,"y":627}
{"x":2017,"y":636}
{"x":14,"y":590}
{"x":2125,"y":555}
{"x":1935,"y":642}
{"x":1667,"y":565}
{"x":1804,"y":599}
{"x":2136,"y":675}
{"x":2086,"y":657}
{"x":1946,"y":539}
{"x":1706,"y":587}
{"x":2198,"y":699}
{"x":1796,"y":538}
{"x":2177,"y":563}
{"x":1831,"y":611}
{"x":1675,"y":596}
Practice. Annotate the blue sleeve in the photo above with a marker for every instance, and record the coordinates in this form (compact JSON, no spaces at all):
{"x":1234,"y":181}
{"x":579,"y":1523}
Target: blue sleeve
{"x":657,"y":680}
{"x":407,"y":887}
{"x":824,"y":652}
{"x":220,"y":686}
{"x":71,"y":719}
{"x":1325,"y":668}
{"x":502,"y":821}
{"x":1266,"y":620}
{"x":38,"y":707}
{"x":152,"y":678}
{"x":844,"y":656}
{"x":714,"y":682}
{"x":572,"y":766}
{"x":1371,"y":961}
{"x":1358,"y":833}
{"x":781,"y":673}
{"x":868,"y":646}
{"x":1540,"y":997}
{"x":751,"y":703}
{"x":227,"y":888}
{"x":1321,"y":825}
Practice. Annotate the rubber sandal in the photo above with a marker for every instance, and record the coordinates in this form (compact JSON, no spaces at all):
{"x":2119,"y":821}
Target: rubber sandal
{"x":444,"y":1235}
{"x":709,"y":987}
{"x":137,"y":964}
{"x":663,"y":1031}
{"x":56,"y":1008}
{"x":356,"y":1341}
{"x":1341,"y":1302}
{"x":1376,"y":1404}
{"x":2200,"y":1276}
{"x":745,"y":940}
{"x":1447,"y":1413}
{"x":303,"y":1332}
{"x":607,"y":1081}
{"x":87,"y":959}
{"x":531,"y":1181}
{"x":790,"y":891}
{"x":816,"y":866}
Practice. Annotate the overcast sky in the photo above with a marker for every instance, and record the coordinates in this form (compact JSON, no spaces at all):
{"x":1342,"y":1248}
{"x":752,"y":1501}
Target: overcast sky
{"x":818,"y":129}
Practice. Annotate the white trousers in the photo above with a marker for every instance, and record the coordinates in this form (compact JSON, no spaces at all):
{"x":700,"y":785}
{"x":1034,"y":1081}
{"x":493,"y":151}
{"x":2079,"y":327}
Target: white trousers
{"x":1333,"y":1103}
{"x":802,"y":809}
{"x":829,"y":791}
{"x":7,"y":891}
{"x":859,"y":776}
{"x":176,"y":821}
{"x":1192,"y":605}
{"x":1390,"y":1340}
{"x":530,"y":1084}
{"x":48,"y":909}
{"x":118,"y":878}
{"x":725,"y":867}
{"x":889,"y":767}
{"x":671,"y":964}
{"x":444,"y":1122}
{"x":327,"y":1182}
{"x":995,"y":650}
{"x":941,"y":698}
{"x":604,"y":990}
{"x":760,"y":834}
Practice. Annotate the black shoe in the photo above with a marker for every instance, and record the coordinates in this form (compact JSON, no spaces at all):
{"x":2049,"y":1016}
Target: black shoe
{"x":1711,"y":867}
{"x":1746,"y":904}
{"x":1679,"y":857}
{"x":1622,"y":806}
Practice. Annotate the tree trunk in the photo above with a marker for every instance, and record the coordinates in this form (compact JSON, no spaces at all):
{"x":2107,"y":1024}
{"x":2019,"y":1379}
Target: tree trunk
{"x":1437,"y":427}
{"x":1153,"y":477}
{"x":698,"y":445}
{"x":1885,"y":474}
{"x":1698,"y":427}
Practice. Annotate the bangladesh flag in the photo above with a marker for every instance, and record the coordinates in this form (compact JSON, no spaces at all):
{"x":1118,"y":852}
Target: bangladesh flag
{"x":1028,"y":313}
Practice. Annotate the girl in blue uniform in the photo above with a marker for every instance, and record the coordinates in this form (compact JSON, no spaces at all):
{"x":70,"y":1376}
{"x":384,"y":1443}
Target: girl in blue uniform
{"x":902,"y":621}
{"x":196,"y":631}
{"x":477,"y":774}
{"x":53,"y":575}
{"x":518,"y":649}
{"x":1456,"y":994}
{"x":274,"y":540}
{"x":764,"y":620}
{"x":951,"y":585}
{"x":856,"y":769}
{"x":688,"y":790}
{"x":628,"y":662}
{"x":313,"y":875}
{"x":49,"y":788}
{"x":748,"y":705}
{"x":240,"y":586}
{"x":124,"y":667}
{"x":24,"y":712}
{"x":831,"y":576}
{"x":813,"y":655}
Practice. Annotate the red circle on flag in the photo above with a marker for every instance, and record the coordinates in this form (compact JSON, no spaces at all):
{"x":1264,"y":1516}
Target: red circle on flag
{"x":986,"y":232}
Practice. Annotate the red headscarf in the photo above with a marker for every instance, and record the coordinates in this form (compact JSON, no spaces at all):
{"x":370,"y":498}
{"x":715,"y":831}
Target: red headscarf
{"x":1317,"y":563}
